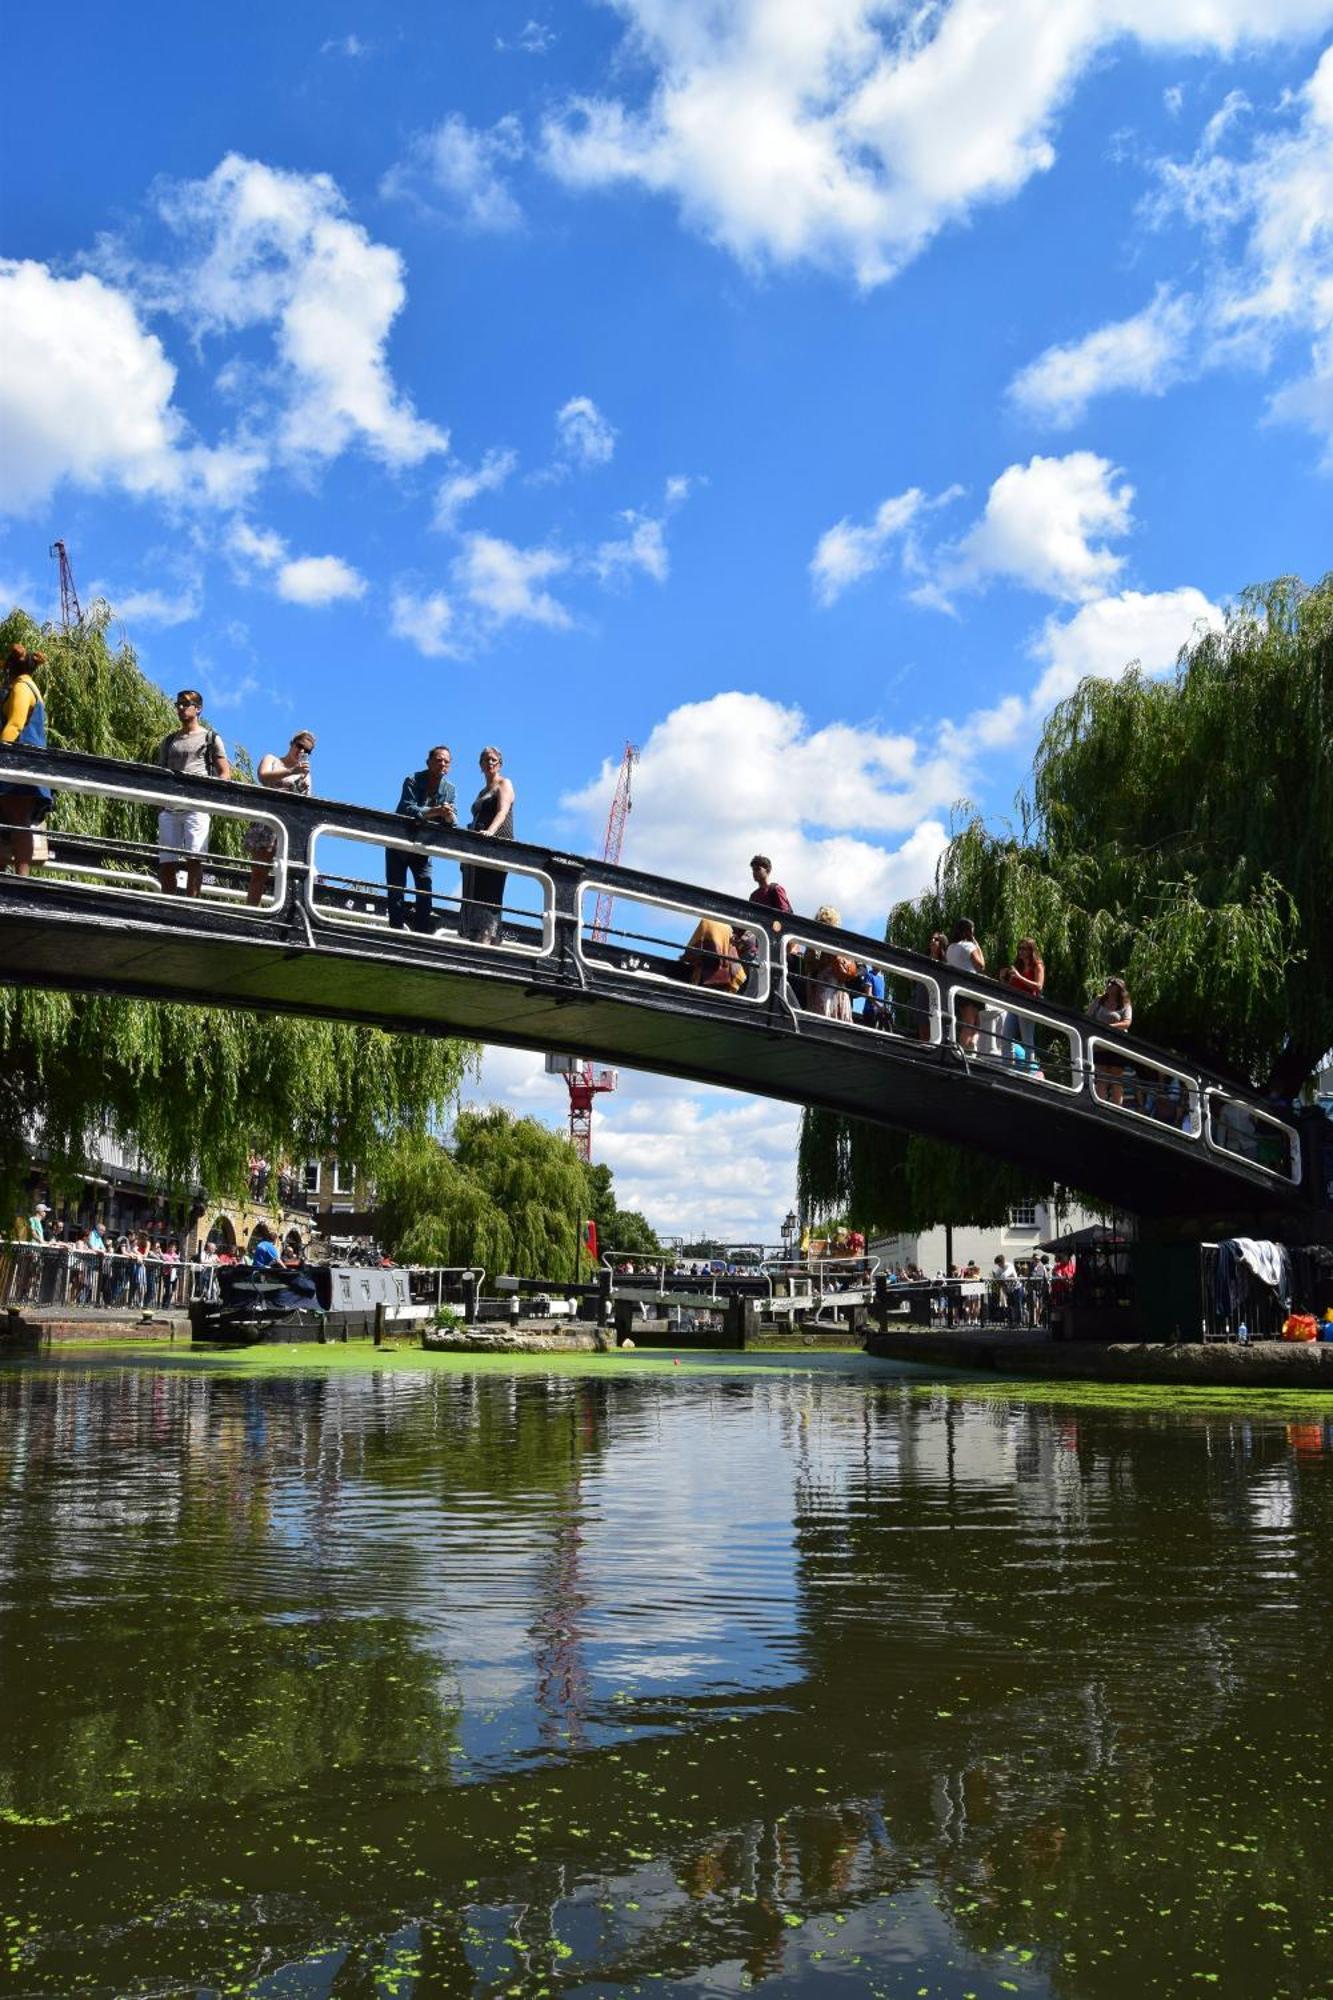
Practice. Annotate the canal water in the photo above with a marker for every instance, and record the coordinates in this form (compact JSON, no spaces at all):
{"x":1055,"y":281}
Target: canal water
{"x":325,"y":1678}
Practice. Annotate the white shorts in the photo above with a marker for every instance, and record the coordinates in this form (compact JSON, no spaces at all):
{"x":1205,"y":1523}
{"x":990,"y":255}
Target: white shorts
{"x":182,"y":830}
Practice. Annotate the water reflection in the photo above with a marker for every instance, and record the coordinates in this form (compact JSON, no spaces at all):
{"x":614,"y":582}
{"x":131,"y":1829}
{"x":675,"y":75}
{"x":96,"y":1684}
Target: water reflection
{"x":466,"y":1683}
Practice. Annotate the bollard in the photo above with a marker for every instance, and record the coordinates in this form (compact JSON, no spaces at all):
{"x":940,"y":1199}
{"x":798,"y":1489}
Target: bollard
{"x":881,"y":1302}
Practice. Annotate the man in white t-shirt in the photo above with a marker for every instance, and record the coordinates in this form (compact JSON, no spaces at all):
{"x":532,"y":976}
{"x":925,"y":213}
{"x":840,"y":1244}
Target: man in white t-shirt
{"x":192,"y":751}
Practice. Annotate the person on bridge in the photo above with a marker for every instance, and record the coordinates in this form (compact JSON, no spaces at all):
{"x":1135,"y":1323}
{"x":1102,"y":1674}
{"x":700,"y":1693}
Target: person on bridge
{"x":965,"y":955}
{"x":427,"y":799}
{"x":289,"y":773}
{"x":1027,"y":976}
{"x":828,"y":974}
{"x":711,"y":958}
{"x":191,"y":751}
{"x":1113,"y":1013}
{"x":493,"y":816}
{"x":920,"y":1007}
{"x":766,"y":891}
{"x":22,"y":720}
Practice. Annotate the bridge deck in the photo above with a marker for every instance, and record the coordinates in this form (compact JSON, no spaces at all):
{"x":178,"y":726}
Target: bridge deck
{"x":550,"y":985}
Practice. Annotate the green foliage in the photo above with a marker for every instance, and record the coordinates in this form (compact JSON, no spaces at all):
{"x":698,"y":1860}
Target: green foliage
{"x":1179,"y":832}
{"x":509,"y":1194}
{"x":194,"y":1090}
{"x":622,"y":1229}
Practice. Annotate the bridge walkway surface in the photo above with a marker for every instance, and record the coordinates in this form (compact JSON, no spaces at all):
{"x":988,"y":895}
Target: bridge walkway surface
{"x":1146,"y":1130}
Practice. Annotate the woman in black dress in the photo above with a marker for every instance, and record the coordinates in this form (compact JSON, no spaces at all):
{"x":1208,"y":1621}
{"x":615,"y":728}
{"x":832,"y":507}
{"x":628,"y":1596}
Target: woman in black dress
{"x":492,"y":816}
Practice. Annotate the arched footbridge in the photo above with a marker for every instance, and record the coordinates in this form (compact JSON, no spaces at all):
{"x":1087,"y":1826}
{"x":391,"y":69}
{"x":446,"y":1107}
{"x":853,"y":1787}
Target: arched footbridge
{"x":1135,"y":1124}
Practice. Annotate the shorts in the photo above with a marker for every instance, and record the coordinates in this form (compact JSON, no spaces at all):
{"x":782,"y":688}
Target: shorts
{"x":261,"y":842}
{"x":187,"y":831}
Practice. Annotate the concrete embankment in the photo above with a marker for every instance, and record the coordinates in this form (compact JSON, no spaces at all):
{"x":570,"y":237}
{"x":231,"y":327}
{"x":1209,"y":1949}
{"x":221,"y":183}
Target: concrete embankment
{"x":1263,"y":1364}
{"x":30,"y":1326}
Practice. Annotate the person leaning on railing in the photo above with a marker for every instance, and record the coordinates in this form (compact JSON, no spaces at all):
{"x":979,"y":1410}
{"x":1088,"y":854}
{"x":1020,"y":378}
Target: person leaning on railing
{"x":1113,"y":1014}
{"x":288,"y":773}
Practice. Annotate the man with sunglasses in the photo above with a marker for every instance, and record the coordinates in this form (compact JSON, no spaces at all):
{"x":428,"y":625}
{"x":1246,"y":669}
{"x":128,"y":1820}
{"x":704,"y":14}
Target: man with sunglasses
{"x":191,"y":751}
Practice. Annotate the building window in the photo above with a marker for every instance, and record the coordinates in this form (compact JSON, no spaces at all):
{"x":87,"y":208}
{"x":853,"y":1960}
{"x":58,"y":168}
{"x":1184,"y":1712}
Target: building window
{"x":310,"y":1181}
{"x":344,"y":1178}
{"x":1023,"y":1215}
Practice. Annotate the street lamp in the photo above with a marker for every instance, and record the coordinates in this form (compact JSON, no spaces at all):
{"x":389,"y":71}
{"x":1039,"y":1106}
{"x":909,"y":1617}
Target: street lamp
{"x":789,"y":1228}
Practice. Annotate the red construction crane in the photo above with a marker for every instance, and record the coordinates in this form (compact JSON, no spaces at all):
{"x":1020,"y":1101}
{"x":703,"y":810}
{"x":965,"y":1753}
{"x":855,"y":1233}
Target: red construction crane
{"x":70,"y":612}
{"x":584,"y":1083}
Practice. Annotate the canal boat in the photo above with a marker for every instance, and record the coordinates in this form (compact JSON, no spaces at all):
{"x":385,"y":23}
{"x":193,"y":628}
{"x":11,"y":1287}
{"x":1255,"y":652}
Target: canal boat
{"x":314,"y":1302}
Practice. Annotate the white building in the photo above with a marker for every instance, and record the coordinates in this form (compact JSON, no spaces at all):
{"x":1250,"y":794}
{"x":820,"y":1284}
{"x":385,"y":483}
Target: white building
{"x":1030,"y":1225}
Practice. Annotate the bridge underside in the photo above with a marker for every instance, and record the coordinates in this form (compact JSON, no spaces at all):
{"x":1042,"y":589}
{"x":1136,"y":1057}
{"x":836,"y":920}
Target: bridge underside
{"x":396,"y":982}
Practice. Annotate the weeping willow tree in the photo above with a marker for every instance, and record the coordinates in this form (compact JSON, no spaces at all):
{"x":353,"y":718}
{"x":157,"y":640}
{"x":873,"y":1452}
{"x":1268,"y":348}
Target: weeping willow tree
{"x":509,"y":1194}
{"x":195,"y":1090}
{"x":1179,"y":832}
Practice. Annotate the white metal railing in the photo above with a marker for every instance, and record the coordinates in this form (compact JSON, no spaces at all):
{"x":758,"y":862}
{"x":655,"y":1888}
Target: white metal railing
{"x":994,"y":1043}
{"x":899,"y":1013}
{"x":1026,"y":1041}
{"x":451,"y":905}
{"x":142,"y":886}
{"x":1245,"y":1133}
{"x":64,"y":1274}
{"x":649,"y":955}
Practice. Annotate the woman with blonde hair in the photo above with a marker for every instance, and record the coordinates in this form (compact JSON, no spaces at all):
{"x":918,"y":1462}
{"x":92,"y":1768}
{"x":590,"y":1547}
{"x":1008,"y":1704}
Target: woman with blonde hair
{"x":829,"y":975}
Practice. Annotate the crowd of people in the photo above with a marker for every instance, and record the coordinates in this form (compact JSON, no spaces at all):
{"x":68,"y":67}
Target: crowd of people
{"x":824,"y":981}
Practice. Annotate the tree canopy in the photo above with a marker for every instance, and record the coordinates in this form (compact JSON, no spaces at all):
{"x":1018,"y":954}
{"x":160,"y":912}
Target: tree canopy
{"x":1179,"y":832}
{"x":195,"y":1090}
{"x":506,"y":1193}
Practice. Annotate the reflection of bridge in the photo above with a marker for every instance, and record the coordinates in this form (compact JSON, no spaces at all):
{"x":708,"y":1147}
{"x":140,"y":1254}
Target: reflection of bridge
{"x":1037,"y":1089}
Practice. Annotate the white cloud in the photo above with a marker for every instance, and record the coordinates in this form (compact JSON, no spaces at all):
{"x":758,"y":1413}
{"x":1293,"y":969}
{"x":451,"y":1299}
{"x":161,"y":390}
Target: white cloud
{"x":350,"y":46}
{"x":850,"y":133}
{"x":1146,"y":353}
{"x":845,"y":553}
{"x":641,"y":547}
{"x":504,"y":583}
{"x":820,"y":801}
{"x":313,"y":581}
{"x":319,"y":580}
{"x":534,"y":38}
{"x":585,"y":437}
{"x":643,"y":544}
{"x":425,"y":622}
{"x":157,"y":607}
{"x":263,"y":247}
{"x":1037,"y":530}
{"x":465,"y":165}
{"x":1102,"y":638}
{"x":86,"y":395}
{"x":1266,"y":300}
{"x":458,"y":489}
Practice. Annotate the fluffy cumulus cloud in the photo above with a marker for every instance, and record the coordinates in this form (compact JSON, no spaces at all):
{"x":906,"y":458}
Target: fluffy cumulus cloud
{"x":849,"y":814}
{"x":850,"y":133}
{"x":318,"y":580}
{"x":156,"y":607}
{"x":263,"y":248}
{"x":641,"y":546}
{"x":86,"y":396}
{"x":1145,"y":353}
{"x":313,"y":581}
{"x":1103,"y":638}
{"x":1044,"y":527}
{"x":1263,"y":197}
{"x":463,"y":169}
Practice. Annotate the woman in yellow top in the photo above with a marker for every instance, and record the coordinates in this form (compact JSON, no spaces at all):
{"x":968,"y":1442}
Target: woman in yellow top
{"x":22,"y":721}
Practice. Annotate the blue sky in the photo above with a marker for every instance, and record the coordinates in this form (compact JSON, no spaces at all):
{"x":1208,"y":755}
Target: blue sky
{"x":807,"y":394}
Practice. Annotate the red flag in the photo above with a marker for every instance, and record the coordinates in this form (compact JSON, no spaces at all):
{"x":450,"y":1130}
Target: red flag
{"x":590,"y":1238}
